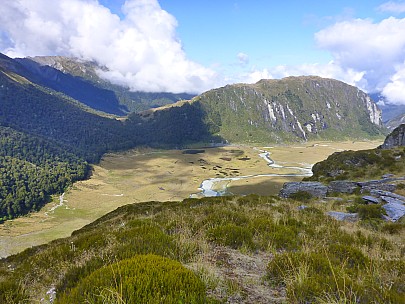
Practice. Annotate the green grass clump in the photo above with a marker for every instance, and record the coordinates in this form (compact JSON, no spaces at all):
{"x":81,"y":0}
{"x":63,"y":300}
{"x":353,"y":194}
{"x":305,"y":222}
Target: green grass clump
{"x":231,"y":235}
{"x":340,"y":274}
{"x":12,"y":292}
{"x":302,"y":196}
{"x":367,"y":212}
{"x":393,"y":228}
{"x":284,"y":238}
{"x":141,"y":279}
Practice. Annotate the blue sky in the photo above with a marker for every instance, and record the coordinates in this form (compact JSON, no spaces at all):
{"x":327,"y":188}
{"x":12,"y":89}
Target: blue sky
{"x":269,"y":32}
{"x":193,"y":46}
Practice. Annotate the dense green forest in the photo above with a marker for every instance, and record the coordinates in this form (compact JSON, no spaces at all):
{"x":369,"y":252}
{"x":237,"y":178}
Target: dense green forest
{"x":31,"y":169}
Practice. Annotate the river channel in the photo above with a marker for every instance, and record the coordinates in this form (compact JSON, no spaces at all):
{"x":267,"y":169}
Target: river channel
{"x":219,"y":186}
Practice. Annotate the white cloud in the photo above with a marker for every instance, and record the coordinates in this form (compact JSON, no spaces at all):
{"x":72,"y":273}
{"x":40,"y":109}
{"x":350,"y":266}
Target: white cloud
{"x":256,"y":75}
{"x":141,"y":50}
{"x":392,"y":7}
{"x":374,"y":49}
{"x":243,"y":58}
{"x":329,"y":70}
{"x":395,"y":89}
{"x":366,"y":54}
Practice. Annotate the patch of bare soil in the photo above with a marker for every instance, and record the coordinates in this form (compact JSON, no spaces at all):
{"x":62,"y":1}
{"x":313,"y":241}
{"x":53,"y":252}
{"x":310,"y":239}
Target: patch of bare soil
{"x":241,"y":277}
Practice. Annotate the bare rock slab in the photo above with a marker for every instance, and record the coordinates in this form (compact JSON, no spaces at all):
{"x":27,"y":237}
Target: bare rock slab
{"x":394,"y":211}
{"x":389,"y":199}
{"x":343,"y":216}
{"x":382,"y":193}
{"x":316,"y":189}
{"x":371,"y":199}
{"x":342,"y":187}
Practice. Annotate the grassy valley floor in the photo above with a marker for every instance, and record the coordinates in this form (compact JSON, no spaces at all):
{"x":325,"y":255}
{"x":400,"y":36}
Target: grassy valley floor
{"x":161,"y":175}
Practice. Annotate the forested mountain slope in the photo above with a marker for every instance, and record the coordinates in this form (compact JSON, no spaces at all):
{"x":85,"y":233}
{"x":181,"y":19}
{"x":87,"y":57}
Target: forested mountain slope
{"x":47,"y":138}
{"x":31,"y":169}
{"x":80,"y":80}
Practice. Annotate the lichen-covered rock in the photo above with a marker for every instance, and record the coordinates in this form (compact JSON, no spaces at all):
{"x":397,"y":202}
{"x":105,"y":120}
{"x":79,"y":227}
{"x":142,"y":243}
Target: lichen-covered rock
{"x":342,"y":187}
{"x":343,"y":216}
{"x":394,"y":211}
{"x":316,"y":189}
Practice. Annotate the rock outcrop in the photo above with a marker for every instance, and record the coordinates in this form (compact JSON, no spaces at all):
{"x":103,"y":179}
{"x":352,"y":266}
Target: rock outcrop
{"x":316,"y":189}
{"x":343,"y":216}
{"x":394,"y":211}
{"x":394,"y":204}
{"x":382,"y":187}
{"x":342,"y":187}
{"x":395,"y":139}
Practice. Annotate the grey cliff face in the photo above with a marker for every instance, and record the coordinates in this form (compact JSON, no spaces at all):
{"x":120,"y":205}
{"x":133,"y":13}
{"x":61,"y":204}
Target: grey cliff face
{"x":395,"y":139}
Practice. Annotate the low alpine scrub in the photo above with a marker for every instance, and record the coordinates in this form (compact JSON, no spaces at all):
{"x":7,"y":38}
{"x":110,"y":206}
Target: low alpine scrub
{"x":141,"y":279}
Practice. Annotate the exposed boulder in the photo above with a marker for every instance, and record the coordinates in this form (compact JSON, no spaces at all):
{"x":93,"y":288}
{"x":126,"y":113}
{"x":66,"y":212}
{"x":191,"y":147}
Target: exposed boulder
{"x":316,"y":189}
{"x":343,"y":216}
{"x":394,"y":211}
{"x":342,"y":187}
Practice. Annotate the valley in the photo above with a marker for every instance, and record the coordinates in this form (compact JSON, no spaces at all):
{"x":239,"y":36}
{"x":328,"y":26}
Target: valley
{"x":146,"y":174}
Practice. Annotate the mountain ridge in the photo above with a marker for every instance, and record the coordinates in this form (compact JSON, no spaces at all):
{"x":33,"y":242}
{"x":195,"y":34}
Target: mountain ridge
{"x":80,"y":79}
{"x":287,"y":110}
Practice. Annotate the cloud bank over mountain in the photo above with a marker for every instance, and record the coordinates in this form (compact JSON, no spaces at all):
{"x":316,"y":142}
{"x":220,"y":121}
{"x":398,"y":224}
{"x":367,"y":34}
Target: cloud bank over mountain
{"x":141,"y":50}
{"x":370,"y":55}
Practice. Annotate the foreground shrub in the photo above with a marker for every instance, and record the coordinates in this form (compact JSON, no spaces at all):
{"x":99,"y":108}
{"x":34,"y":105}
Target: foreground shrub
{"x":142,"y":279}
{"x":284,"y":237}
{"x":367,"y":212}
{"x":11,"y":292}
{"x":393,"y":228}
